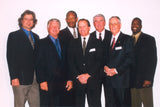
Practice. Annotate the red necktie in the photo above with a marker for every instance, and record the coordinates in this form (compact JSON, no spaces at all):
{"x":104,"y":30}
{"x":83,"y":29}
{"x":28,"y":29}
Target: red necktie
{"x":113,"y":43}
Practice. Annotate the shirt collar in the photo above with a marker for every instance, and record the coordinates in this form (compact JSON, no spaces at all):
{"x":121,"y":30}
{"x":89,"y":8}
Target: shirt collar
{"x":53,"y":39}
{"x":86,"y":38}
{"x":102,"y":34}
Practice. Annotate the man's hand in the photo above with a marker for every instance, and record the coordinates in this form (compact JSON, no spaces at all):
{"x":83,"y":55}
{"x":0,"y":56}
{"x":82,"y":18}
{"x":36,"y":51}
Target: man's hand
{"x":83,"y":78}
{"x":110,"y":71}
{"x":15,"y":82}
{"x":146,"y":83}
{"x":69,"y":85}
{"x":44,"y":86}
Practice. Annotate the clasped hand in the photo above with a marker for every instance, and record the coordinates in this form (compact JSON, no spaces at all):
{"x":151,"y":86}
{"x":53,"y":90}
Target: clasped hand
{"x":110,"y":71}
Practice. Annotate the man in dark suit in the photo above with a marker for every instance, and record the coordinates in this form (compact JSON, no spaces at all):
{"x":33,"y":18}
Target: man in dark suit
{"x":118,"y":60}
{"x":85,"y":56}
{"x":102,"y":34}
{"x":67,"y":35}
{"x":51,"y":68}
{"x":21,"y":61}
{"x":142,"y":74}
{"x":70,"y":32}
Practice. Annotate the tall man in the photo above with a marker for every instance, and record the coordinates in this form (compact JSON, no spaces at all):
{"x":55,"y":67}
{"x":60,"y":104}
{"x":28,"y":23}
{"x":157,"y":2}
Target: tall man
{"x":143,"y":72}
{"x":67,"y":35}
{"x":85,"y":56}
{"x":21,"y":61}
{"x":102,"y":34}
{"x":51,"y":67}
{"x":70,"y":32}
{"x":118,"y":60}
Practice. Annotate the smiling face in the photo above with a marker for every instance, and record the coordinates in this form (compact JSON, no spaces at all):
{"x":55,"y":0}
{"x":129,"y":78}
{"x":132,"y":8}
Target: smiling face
{"x":27,"y":22}
{"x":114,"y":25}
{"x":99,"y":23}
{"x":71,"y":20}
{"x":53,"y":29}
{"x":136,"y":26}
{"x":83,"y":28}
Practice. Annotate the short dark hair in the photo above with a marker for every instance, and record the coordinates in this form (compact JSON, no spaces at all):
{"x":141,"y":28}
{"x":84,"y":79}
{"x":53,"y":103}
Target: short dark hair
{"x":22,"y":16}
{"x":71,"y":11}
{"x":137,"y":18}
{"x":88,"y":23}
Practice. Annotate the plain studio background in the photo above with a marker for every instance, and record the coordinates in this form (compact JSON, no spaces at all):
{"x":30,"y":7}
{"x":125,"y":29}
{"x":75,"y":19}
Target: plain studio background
{"x":10,"y":10}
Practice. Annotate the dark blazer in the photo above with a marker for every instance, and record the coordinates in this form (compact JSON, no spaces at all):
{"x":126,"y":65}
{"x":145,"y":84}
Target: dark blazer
{"x":105,"y":36}
{"x":49,"y":65}
{"x":121,"y":58}
{"x":66,"y":36}
{"x":21,"y":57}
{"x":146,"y":60}
{"x":90,"y":63}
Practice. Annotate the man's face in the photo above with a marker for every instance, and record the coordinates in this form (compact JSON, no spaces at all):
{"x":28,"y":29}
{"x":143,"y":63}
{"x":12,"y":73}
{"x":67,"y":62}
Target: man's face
{"x":27,"y":22}
{"x":53,"y":28}
{"x":99,"y":23}
{"x":83,"y":28}
{"x":71,"y":20}
{"x":114,"y":26}
{"x":136,"y":26}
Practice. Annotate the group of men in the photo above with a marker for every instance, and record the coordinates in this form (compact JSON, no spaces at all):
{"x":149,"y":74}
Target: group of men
{"x":69,"y":65}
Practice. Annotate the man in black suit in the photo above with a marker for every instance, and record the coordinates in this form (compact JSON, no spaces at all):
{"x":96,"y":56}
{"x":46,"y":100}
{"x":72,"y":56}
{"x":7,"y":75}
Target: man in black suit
{"x":142,"y":74}
{"x":118,"y":60}
{"x":21,"y":61}
{"x":67,"y":35}
{"x":102,"y":34}
{"x":51,"y":67}
{"x":70,"y":32}
{"x":85,"y":56}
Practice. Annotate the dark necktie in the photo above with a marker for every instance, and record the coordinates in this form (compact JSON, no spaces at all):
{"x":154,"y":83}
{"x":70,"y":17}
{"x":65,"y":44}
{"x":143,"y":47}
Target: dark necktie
{"x":113,"y":43}
{"x":100,"y":37}
{"x":84,"y":46}
{"x":58,"y":48}
{"x":31,"y":40}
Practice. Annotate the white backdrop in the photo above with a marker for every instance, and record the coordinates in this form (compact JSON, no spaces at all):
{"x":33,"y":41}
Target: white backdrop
{"x":10,"y":10}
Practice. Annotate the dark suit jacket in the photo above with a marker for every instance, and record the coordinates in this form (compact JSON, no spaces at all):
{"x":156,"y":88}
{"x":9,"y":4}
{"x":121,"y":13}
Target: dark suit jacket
{"x":121,"y":58}
{"x":146,"y":60}
{"x":105,"y":36}
{"x":66,"y":36}
{"x":21,"y":57}
{"x":90,"y":63}
{"x":107,"y":33}
{"x":50,"y":67}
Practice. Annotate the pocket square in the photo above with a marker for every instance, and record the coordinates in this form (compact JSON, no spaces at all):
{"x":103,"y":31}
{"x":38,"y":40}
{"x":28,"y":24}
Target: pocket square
{"x":92,"y":50}
{"x":118,"y":48}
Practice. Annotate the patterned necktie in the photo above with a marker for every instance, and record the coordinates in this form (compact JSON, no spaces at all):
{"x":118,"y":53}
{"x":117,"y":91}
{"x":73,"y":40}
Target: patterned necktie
{"x":84,"y":46}
{"x":74,"y":33}
{"x":100,"y":37}
{"x":31,"y":40}
{"x":58,"y":48}
{"x":113,"y":43}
